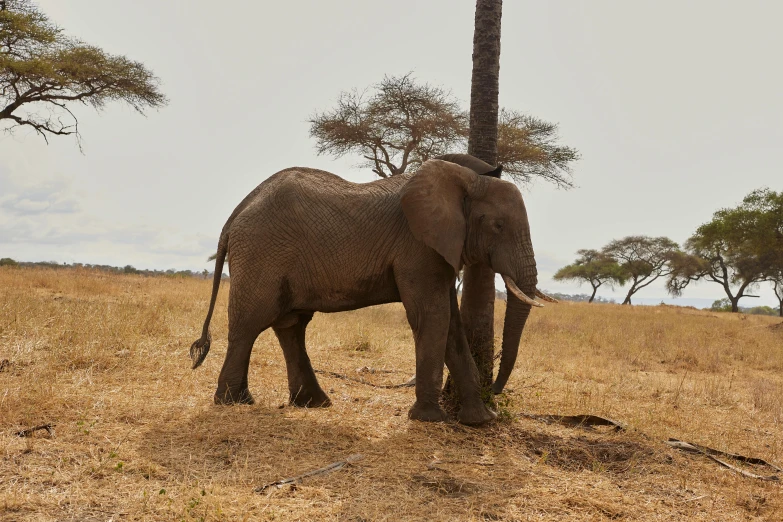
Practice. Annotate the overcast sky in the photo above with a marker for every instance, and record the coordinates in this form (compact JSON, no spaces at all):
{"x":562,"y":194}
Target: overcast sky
{"x":675,"y":106}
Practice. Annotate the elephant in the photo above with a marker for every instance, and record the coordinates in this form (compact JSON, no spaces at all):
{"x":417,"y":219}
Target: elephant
{"x":307,"y":241}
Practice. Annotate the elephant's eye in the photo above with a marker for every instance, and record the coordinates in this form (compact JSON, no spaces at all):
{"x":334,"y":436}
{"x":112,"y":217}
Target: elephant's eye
{"x":497,"y":226}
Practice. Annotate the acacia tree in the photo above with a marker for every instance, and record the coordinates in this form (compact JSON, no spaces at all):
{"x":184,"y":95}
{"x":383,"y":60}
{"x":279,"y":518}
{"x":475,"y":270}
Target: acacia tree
{"x":643,"y":259}
{"x":399,"y":123}
{"x":767,"y":205}
{"x":44,"y":73}
{"x":528,"y":149}
{"x":738,"y":249}
{"x":593,"y":267}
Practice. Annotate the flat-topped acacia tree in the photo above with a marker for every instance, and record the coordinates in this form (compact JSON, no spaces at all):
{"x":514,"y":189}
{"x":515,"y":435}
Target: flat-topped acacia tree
{"x":643,"y":259}
{"x":595,"y":268}
{"x":738,"y":249}
{"x":399,"y":123}
{"x":44,"y":74}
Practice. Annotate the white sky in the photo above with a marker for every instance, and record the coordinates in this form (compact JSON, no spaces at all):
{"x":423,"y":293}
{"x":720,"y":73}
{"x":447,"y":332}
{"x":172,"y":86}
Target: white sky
{"x":676,"y":107}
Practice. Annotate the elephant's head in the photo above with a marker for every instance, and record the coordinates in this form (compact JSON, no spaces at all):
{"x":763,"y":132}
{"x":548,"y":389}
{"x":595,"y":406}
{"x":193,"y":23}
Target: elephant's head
{"x":471,"y":219}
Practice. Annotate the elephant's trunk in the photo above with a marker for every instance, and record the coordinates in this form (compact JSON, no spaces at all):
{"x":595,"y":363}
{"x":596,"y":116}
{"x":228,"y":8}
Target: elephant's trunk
{"x":517,"y":312}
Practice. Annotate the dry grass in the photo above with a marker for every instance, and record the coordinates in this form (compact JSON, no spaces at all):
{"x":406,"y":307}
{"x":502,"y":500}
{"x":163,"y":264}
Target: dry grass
{"x":137,"y":438}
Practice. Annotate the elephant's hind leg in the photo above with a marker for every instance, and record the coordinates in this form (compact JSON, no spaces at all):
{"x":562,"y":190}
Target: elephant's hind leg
{"x":243,"y":329}
{"x":303,"y":386}
{"x":232,"y":382}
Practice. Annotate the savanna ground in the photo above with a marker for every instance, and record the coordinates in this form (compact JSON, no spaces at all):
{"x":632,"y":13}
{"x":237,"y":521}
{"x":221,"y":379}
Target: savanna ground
{"x":137,"y":437}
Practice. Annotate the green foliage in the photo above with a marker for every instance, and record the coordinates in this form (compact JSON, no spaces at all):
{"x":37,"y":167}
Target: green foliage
{"x":43,"y":72}
{"x":738,"y":249}
{"x":721,"y":305}
{"x":7,"y":261}
{"x":761,"y":310}
{"x":724,"y":305}
{"x":593,"y":267}
{"x":400,"y":123}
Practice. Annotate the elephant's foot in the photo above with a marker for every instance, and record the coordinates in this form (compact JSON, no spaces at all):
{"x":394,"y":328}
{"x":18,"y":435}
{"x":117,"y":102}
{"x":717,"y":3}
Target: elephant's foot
{"x":309,"y":398}
{"x":427,"y":413}
{"x":228,"y":397}
{"x":475,"y":415}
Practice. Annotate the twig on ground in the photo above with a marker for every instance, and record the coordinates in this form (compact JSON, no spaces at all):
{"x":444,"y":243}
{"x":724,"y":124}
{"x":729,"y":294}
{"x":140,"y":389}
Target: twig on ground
{"x":576,"y":420}
{"x":320,"y":471}
{"x":409,"y":384}
{"x":367,"y":369}
{"x":711,"y":454}
{"x":30,"y":431}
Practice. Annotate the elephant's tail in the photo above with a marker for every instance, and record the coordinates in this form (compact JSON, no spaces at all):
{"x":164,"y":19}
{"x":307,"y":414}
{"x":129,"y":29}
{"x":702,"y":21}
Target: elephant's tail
{"x":200,"y":348}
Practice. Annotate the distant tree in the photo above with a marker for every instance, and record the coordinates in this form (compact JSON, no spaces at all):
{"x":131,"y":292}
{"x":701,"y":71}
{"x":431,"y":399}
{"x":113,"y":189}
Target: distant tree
{"x":738,"y":249}
{"x":768,"y":233}
{"x":721,"y":305}
{"x":761,"y":310}
{"x":595,"y":268}
{"x":777,"y":287}
{"x":643,"y":259}
{"x":724,"y":305}
{"x":7,"y":261}
{"x":400,"y":123}
{"x":44,"y":74}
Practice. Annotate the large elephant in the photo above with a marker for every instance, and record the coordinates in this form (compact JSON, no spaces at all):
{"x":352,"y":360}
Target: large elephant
{"x":308,"y":241}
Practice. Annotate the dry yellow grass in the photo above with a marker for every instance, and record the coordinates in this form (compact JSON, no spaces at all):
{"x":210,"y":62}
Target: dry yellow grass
{"x":105,"y":358}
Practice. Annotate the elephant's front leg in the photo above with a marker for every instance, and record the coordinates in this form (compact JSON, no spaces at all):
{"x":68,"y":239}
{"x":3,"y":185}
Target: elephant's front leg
{"x":463,"y":370}
{"x":429,"y":320}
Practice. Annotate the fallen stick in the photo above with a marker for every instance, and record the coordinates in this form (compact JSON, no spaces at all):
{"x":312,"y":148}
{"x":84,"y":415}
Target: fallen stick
{"x":711,"y":454}
{"x":30,"y":431}
{"x":320,"y":471}
{"x":576,"y":420}
{"x":408,"y":384}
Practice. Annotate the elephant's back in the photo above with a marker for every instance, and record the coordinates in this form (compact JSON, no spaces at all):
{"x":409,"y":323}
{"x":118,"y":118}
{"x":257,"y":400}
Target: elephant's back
{"x":298,"y":192}
{"x":304,"y":206}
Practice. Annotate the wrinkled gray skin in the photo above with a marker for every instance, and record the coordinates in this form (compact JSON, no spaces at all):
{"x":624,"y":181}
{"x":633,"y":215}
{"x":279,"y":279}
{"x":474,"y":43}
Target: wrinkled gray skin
{"x":308,"y":241}
{"x":517,"y":312}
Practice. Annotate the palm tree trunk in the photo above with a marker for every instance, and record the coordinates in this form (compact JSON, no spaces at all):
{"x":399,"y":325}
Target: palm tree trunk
{"x":478,"y":290}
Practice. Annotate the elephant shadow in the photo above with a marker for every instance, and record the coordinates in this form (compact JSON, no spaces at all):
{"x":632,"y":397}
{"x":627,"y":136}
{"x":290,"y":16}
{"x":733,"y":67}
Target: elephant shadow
{"x":248,"y":447}
{"x":239,"y":450}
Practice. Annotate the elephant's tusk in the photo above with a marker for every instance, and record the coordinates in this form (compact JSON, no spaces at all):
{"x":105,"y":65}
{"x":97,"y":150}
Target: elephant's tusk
{"x":519,"y":293}
{"x":545,"y":297}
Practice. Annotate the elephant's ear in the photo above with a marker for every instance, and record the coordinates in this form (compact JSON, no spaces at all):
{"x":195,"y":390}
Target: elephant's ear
{"x":433,"y":204}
